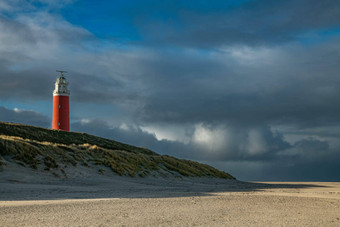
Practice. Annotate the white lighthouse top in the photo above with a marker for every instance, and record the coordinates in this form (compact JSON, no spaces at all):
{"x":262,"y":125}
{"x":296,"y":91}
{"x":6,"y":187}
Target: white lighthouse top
{"x":61,"y":85}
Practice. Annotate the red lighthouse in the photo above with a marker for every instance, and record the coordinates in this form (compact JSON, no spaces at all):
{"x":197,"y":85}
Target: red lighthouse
{"x":61,"y":106}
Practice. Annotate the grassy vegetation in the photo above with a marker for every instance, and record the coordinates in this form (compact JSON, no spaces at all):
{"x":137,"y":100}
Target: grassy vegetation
{"x":49,"y":149}
{"x":67,"y":138}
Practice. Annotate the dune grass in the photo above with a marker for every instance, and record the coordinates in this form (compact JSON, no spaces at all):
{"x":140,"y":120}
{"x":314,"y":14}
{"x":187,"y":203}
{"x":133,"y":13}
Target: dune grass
{"x":46,"y":149}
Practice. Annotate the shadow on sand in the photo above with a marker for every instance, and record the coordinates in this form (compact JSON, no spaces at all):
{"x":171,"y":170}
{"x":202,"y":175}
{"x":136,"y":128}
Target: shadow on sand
{"x":124,"y":187}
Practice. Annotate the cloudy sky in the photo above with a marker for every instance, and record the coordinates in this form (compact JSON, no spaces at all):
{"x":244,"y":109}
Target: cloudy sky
{"x":251,"y":87}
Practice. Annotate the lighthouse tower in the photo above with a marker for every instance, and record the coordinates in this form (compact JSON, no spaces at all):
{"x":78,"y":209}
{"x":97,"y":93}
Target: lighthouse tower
{"x":61,"y":106}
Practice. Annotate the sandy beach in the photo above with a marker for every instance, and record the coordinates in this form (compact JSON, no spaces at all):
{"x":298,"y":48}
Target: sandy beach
{"x":152,"y":201}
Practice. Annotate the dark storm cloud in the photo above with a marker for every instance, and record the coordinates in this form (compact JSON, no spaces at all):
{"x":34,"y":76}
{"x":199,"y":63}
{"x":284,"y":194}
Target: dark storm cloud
{"x":24,"y":85}
{"x":87,"y":88}
{"x":35,"y":84}
{"x":324,"y":168}
{"x":24,"y":117}
{"x":306,"y":160}
{"x":212,"y":24}
{"x":298,"y":86}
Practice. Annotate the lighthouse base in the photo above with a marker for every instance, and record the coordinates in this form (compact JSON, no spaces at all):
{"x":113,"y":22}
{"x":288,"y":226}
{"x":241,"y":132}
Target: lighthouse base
{"x":61,"y":111}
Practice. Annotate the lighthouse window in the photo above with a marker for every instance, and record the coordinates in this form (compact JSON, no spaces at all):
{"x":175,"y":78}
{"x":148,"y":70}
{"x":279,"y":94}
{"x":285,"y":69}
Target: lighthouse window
{"x":58,"y":123}
{"x":59,"y":106}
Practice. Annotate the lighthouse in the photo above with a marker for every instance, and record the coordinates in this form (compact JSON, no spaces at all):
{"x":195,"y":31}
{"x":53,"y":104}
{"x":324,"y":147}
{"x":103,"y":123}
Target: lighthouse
{"x":61,"y":105}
